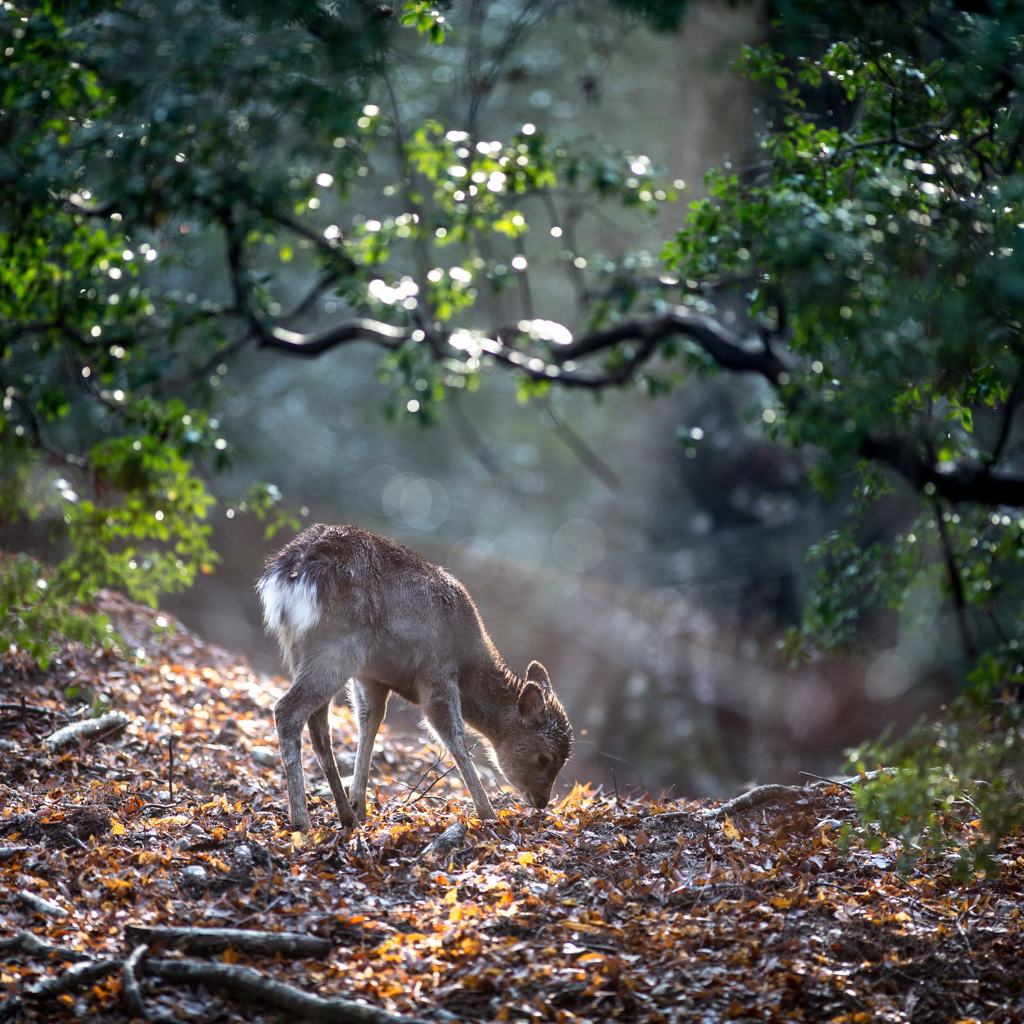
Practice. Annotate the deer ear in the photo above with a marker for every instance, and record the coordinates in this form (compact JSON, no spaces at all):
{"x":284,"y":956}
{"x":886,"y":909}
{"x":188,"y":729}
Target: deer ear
{"x":531,"y":702}
{"x":537,"y":673}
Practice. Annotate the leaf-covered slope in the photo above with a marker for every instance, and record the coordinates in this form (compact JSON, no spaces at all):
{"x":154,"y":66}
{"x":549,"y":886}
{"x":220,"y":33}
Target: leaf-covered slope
{"x":602,"y":908}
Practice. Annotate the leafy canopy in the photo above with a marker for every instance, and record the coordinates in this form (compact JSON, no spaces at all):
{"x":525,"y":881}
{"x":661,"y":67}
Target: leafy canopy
{"x":865,"y":264}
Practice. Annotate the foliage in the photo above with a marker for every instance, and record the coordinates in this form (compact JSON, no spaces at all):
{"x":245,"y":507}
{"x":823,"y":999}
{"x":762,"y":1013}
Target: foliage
{"x":36,"y":617}
{"x":866,"y":264}
{"x":968,"y":763}
{"x":133,"y":132}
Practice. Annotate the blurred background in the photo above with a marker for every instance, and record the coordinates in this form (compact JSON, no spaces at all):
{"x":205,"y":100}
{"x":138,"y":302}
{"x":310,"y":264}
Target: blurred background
{"x":649,"y":551}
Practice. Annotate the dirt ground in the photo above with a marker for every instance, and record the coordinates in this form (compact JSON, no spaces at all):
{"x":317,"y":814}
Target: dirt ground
{"x":599,"y":908}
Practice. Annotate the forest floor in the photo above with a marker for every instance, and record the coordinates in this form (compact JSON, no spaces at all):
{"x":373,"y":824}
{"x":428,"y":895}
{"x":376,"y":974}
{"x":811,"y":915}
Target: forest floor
{"x":599,"y":908}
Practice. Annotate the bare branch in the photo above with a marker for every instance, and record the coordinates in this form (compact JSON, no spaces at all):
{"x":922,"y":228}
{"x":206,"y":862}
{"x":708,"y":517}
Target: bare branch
{"x":583,"y":451}
{"x":956,"y":585}
{"x":476,"y":444}
{"x":207,"y":941}
{"x":255,"y":988}
{"x":311,"y":299}
{"x":332,"y":248}
{"x":316,"y":344}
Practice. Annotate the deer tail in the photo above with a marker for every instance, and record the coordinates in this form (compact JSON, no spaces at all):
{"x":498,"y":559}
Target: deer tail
{"x":290,"y":606}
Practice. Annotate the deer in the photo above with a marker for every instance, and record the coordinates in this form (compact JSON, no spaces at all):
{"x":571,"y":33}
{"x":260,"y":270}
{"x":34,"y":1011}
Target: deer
{"x":354,"y":609}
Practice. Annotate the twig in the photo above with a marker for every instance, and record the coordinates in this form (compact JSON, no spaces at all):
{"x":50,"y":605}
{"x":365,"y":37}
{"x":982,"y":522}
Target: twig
{"x":170,"y":767}
{"x":825,"y":778}
{"x":474,"y":441}
{"x":582,"y":450}
{"x":7,"y":852}
{"x":203,"y":941}
{"x":434,"y":783}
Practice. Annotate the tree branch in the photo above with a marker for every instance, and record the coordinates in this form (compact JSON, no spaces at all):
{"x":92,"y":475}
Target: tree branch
{"x":956,"y":585}
{"x":255,"y":989}
{"x":724,"y":347}
{"x":333,"y":248}
{"x":583,"y":451}
{"x":316,"y":344}
{"x":965,"y":484}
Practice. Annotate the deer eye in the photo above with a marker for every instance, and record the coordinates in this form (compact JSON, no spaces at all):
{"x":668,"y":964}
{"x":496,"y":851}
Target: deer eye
{"x":544,"y":760}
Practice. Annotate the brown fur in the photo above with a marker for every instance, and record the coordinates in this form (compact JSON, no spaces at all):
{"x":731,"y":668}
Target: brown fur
{"x":393,"y":622}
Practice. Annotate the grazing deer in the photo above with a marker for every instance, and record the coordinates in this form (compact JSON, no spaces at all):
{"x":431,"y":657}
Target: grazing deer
{"x":349,"y":605}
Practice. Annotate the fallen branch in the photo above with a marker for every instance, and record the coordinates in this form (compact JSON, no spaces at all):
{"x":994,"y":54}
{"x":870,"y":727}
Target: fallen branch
{"x":448,"y":842}
{"x":92,"y":728}
{"x":759,"y":796}
{"x":29,"y":942}
{"x":204,"y":941}
{"x":73,"y":977}
{"x":256,"y":989}
{"x":8,"y":705}
{"x":41,"y":906}
{"x":7,"y":852}
{"x":130,"y":983}
{"x":772,"y":793}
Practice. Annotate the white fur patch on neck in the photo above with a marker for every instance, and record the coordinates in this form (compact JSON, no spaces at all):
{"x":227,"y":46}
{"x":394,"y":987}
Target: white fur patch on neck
{"x":289,"y":606}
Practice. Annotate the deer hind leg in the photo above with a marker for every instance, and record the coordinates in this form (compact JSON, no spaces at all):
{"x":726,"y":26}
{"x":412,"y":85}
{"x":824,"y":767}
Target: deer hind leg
{"x":444,"y":714}
{"x":320,"y":734}
{"x":370,"y":700}
{"x":312,"y":690}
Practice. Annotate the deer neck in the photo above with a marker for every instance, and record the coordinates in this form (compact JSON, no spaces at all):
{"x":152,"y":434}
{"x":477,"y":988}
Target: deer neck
{"x":490,"y":705}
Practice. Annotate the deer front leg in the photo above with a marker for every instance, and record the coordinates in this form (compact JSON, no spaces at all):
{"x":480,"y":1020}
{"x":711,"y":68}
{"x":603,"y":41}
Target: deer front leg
{"x":444,"y":713}
{"x":320,"y":734}
{"x":370,"y":700}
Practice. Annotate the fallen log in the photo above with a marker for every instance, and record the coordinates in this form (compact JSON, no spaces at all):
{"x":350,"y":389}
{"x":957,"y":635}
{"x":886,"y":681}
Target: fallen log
{"x":91,"y":728}
{"x":204,"y":941}
{"x":254,"y":989}
{"x":7,"y":852}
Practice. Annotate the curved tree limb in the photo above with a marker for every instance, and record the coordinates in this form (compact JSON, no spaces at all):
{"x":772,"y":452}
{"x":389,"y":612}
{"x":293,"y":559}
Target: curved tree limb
{"x":316,"y":344}
{"x":130,"y":983}
{"x":721,"y":345}
{"x":252,"y":987}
